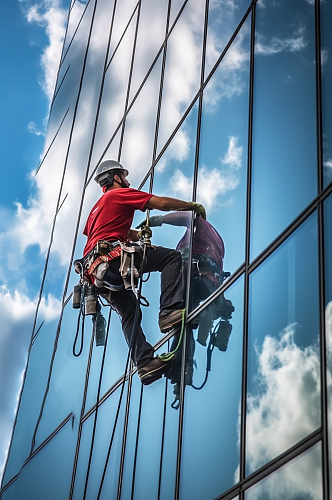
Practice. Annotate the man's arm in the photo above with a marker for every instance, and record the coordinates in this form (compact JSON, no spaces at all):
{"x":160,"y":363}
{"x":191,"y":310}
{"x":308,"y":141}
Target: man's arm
{"x":166,"y":204}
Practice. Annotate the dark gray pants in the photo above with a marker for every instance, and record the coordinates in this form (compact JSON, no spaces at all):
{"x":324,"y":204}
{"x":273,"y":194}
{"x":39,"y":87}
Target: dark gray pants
{"x":169,"y":263}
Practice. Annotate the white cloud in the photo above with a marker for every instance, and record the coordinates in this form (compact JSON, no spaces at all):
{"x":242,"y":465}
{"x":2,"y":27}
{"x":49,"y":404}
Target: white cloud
{"x":213,"y":183}
{"x":52,"y":17}
{"x":294,"y":43}
{"x":17,"y":313}
{"x":33,"y":129}
{"x":283,"y":410}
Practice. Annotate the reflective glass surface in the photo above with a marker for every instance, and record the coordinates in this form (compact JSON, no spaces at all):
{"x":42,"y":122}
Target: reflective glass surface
{"x":48,"y":474}
{"x":210,"y":449}
{"x":326,"y":47}
{"x":284,"y":163}
{"x":283,"y":399}
{"x":183,"y":68}
{"x":224,"y":18}
{"x":101,"y":444}
{"x":328,"y":315}
{"x":32,"y":396}
{"x":151,"y":34}
{"x":222,"y":173}
{"x":299,"y":479}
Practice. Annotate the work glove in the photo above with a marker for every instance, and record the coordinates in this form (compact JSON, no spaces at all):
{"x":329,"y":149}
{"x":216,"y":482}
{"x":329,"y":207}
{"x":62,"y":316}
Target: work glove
{"x":146,"y":231}
{"x":154,"y":221}
{"x":198,"y":209}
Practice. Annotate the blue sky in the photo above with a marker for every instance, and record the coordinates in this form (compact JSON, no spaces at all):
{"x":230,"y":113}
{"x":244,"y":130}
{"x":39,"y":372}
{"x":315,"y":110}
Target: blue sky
{"x":26,"y":78}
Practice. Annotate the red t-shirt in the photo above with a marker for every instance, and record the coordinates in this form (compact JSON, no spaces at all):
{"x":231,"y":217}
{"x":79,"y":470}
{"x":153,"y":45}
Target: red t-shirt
{"x":111,"y":217}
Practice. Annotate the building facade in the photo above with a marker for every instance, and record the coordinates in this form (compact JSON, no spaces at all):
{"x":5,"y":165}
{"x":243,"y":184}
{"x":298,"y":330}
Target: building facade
{"x":225,"y":103}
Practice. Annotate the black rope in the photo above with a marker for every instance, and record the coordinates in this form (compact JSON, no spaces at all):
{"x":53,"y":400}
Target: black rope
{"x":81,"y":313}
{"x":209,"y":351}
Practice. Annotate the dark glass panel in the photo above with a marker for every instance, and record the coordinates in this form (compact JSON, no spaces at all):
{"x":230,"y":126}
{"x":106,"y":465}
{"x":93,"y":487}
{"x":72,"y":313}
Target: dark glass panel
{"x":283,"y":400}
{"x":299,"y":479}
{"x":284,"y":162}
{"x":326,"y":47}
{"x":328,"y":315}
{"x":222,"y":173}
{"x":210,"y":450}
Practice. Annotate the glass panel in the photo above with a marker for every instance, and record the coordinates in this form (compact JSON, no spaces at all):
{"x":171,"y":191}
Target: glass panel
{"x":34,"y":387}
{"x":224,"y":18}
{"x":326,"y":41}
{"x":328,"y":313}
{"x":151,"y":34}
{"x":283,"y":401}
{"x":123,"y":13}
{"x":210,"y":430}
{"x":137,"y":147}
{"x":149,"y":450}
{"x":48,"y":474}
{"x":299,"y":479}
{"x":284,"y":163}
{"x":104,"y":430}
{"x":183,"y":68}
{"x":222,"y":174}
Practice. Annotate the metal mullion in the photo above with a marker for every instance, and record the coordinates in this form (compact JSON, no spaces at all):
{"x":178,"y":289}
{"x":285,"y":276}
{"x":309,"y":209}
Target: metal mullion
{"x":72,"y":38}
{"x":51,"y":144}
{"x":162,"y":438}
{"x":247,"y":255}
{"x":125,"y":432}
{"x":188,"y":294}
{"x":57,"y":90}
{"x":273,"y":466}
{"x":321,"y":260}
{"x":129,"y":79}
{"x":136,"y":443}
{"x":52,"y":232}
{"x":161,"y":88}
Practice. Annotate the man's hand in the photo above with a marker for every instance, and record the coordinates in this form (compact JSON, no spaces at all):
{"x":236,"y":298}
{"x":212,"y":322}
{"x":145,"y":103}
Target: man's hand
{"x":198,"y":209}
{"x":154,"y":221}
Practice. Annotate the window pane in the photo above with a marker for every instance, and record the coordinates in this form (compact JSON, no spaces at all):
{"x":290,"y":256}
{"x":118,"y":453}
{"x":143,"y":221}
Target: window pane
{"x":326,"y":41}
{"x":183,"y":68}
{"x":283,"y":400}
{"x":328,"y":313}
{"x":224,"y":18}
{"x":48,"y":474}
{"x":284,"y":167}
{"x":299,"y":479}
{"x":222,"y":172}
{"x":210,"y":452}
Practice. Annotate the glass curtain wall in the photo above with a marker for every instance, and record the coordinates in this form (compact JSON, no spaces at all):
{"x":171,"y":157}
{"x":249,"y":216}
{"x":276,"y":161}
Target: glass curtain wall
{"x":226,"y":103}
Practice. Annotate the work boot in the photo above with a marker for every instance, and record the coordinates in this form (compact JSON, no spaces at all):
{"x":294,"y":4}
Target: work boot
{"x":168,"y":320}
{"x":154,"y":370}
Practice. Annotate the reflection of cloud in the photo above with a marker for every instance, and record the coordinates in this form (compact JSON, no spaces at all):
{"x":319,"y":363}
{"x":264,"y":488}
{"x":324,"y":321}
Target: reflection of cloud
{"x":212,"y":182}
{"x":283,"y":410}
{"x":50,"y":15}
{"x":17,"y":313}
{"x":293,"y":43}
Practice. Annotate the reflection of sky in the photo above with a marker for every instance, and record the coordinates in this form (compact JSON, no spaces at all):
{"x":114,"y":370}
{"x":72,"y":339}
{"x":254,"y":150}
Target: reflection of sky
{"x":326,"y":13}
{"x":284,"y":372}
{"x":284,"y":134}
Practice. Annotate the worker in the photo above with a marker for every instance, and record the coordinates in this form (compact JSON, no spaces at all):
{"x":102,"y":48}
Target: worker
{"x":110,"y":221}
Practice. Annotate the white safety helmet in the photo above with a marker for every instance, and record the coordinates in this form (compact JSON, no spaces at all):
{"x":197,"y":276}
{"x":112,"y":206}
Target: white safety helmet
{"x":105,"y":172}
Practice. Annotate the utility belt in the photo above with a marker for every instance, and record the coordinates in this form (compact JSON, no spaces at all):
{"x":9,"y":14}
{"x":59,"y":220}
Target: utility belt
{"x":94,"y":265}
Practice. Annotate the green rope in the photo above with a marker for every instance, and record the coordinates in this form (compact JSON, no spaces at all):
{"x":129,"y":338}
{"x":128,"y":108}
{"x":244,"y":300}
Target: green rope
{"x":168,"y":356}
